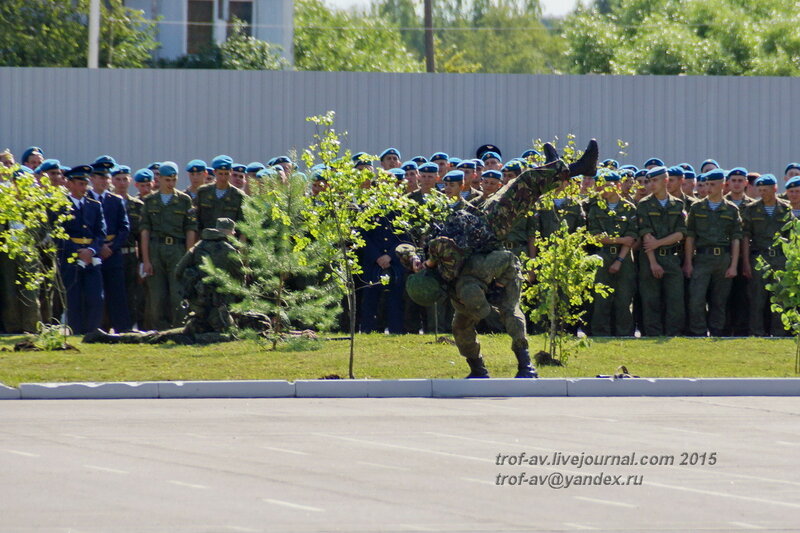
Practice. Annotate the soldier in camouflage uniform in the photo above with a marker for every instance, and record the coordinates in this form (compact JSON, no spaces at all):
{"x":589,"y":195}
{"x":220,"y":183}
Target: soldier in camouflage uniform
{"x":134,"y":288}
{"x":219,"y":199}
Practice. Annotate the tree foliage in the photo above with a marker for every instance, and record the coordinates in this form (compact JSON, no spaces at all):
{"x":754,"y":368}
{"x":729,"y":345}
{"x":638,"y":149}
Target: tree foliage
{"x":54,"y":33}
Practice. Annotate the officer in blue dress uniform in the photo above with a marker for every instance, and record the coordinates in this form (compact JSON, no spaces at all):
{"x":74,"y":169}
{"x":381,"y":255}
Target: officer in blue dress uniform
{"x":117,"y":231}
{"x":79,"y":254}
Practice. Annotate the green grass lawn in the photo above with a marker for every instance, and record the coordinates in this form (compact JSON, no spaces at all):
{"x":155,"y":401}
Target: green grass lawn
{"x":392,"y":357}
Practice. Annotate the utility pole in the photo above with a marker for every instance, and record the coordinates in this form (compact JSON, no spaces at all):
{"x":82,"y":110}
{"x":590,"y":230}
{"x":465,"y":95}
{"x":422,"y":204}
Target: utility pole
{"x":94,"y":34}
{"x":430,"y":62}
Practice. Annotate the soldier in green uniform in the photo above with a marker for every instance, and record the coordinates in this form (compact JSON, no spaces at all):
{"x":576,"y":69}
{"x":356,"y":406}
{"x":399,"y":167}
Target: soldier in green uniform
{"x":675,"y":179}
{"x":134,"y":288}
{"x":168,"y":230}
{"x":219,"y":199}
{"x":662,"y":225}
{"x":713,"y":238}
{"x":737,"y":316}
{"x":614,"y":224}
{"x":196,"y":169}
{"x":762,"y":221}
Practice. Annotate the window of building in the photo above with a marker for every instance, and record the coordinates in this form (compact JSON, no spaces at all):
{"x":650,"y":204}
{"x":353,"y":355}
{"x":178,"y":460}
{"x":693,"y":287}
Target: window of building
{"x":242,"y":10}
{"x":200,"y":32}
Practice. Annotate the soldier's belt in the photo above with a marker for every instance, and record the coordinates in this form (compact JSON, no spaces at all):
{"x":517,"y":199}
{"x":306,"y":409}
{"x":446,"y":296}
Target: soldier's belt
{"x":110,"y":237}
{"x":667,"y":250}
{"x":84,"y":240}
{"x":168,"y":240}
{"x":771,"y":252}
{"x":127,"y":250}
{"x":712,"y":250}
{"x":612,"y":248}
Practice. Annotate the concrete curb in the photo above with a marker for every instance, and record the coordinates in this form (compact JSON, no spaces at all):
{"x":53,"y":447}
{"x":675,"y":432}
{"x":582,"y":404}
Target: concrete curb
{"x":409,"y":388}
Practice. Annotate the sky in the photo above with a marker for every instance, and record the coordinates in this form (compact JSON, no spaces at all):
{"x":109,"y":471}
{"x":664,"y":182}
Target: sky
{"x":550,"y":8}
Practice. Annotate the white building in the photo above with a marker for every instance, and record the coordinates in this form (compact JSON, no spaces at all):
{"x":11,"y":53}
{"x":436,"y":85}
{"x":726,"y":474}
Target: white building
{"x":187,"y":25}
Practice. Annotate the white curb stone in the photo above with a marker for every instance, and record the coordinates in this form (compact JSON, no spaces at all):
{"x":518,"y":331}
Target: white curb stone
{"x":633,"y":387}
{"x":226,"y":389}
{"x":750,"y":387}
{"x":511,"y":387}
{"x":331,"y":388}
{"x":8,"y":393}
{"x":88,"y":391}
{"x":399,"y":388}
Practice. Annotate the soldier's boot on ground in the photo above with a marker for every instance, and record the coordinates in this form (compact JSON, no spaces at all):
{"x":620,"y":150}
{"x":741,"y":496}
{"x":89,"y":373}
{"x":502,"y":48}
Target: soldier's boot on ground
{"x":99,"y":336}
{"x":524,"y":367}
{"x":550,"y":153}
{"x":477,"y":369}
{"x":587,"y":164}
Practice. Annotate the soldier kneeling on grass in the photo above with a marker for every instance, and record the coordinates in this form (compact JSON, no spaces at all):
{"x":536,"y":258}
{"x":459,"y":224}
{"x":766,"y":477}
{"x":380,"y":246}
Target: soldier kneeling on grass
{"x":210,"y":318}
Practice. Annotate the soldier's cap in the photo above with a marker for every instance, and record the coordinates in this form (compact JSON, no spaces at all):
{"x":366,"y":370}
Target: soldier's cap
{"x":626,"y":173}
{"x":271,"y":162}
{"x":767,"y":179}
{"x":789,"y":167}
{"x":752,"y":177}
{"x":632,"y":168}
{"x":225,"y":224}
{"x":492,"y":174}
{"x":238,"y":167}
{"x":196,"y":165}
{"x":709,"y":162}
{"x":513,"y":166}
{"x":425,"y":289}
{"x":487,"y":148}
{"x":468,"y":164}
{"x":21,"y":171}
{"x":793,"y":182}
{"x":608,"y":175}
{"x":398,"y":173}
{"x":675,"y":171}
{"x":454,"y":161}
{"x":419,"y":159}
{"x":389,"y":151}
{"x":210,"y":171}
{"x":29,"y":151}
{"x":440,"y":156}
{"x":222,"y":162}
{"x":610,"y":163}
{"x":154,"y":166}
{"x":254,"y":167}
{"x":715,"y":175}
{"x":432,"y":168}
{"x":641,"y":173}
{"x":120,"y":169}
{"x":266,"y":173}
{"x":48,"y":164}
{"x":738,"y":171}
{"x":283,"y":159}
{"x":689,"y":175}
{"x":453,"y":175}
{"x":530,"y":153}
{"x":79,"y":172}
{"x":143,"y":175}
{"x":318,"y":174}
{"x":687,"y":166}
{"x":479,"y":163}
{"x":409,"y":165}
{"x":656,"y":171}
{"x":103,"y":164}
{"x":702,"y":178}
{"x":653,"y":161}
{"x":361,"y":158}
{"x":168,"y":169}
{"x":491,"y":155}
{"x":63,"y":168}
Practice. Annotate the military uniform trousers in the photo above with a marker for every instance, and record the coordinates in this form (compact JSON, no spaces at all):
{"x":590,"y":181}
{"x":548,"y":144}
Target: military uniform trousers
{"x":763,"y":321}
{"x":84,"y":287}
{"x":614,"y":309}
{"x":20,"y":306}
{"x":115,"y":293}
{"x":384,"y":301}
{"x":164,"y":291}
{"x":134,"y":287}
{"x":662,"y":299}
{"x":709,"y":288}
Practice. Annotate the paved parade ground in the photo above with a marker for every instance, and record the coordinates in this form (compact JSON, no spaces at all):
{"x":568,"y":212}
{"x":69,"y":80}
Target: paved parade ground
{"x":358,"y":465}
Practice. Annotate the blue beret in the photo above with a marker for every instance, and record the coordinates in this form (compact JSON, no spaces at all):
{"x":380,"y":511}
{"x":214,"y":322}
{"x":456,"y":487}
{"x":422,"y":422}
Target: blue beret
{"x":420,"y":160}
{"x":530,"y":153}
{"x":103,"y":164}
{"x":282,"y":159}
{"x":143,"y":175}
{"x":479,"y":163}
{"x":29,"y":152}
{"x":610,"y":163}
{"x":361,"y":158}
{"x":633,"y":168}
{"x":264,"y":172}
{"x":689,"y":175}
{"x":238,"y":167}
{"x":789,"y":167}
{"x":512,"y":166}
{"x":389,"y":151}
{"x":22,"y":170}
{"x":767,"y":179}
{"x":701,"y":178}
{"x":429,"y":167}
{"x":653,"y":161}
{"x":271,"y":162}
{"x":222,"y":162}
{"x":440,"y":156}
{"x":453,"y":175}
{"x":196,"y":165}
{"x":398,"y":173}
{"x":255,"y":166}
{"x":48,"y":164}
{"x":675,"y":171}
{"x":168,"y":169}
{"x":715,"y":175}
{"x":490,"y":155}
{"x":469,"y":164}
{"x":154,"y":166}
{"x":626,"y":173}
{"x":454,"y":161}
{"x":792,"y":183}
{"x":641,"y":173}
{"x":121,"y":169}
{"x":210,"y":171}
{"x":709,"y":162}
{"x":738,"y":171}
{"x":492,"y":174}
{"x":79,"y":172}
{"x":656,"y":171}
{"x":608,"y":175}
{"x":686,"y":166}
{"x":409,"y":165}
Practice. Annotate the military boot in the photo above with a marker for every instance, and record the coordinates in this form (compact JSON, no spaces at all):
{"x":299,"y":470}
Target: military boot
{"x":524,"y":367}
{"x":587,"y":164}
{"x":477,"y":368}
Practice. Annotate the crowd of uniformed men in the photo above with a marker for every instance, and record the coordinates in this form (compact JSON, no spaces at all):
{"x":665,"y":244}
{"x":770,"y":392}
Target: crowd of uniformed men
{"x":679,"y":245}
